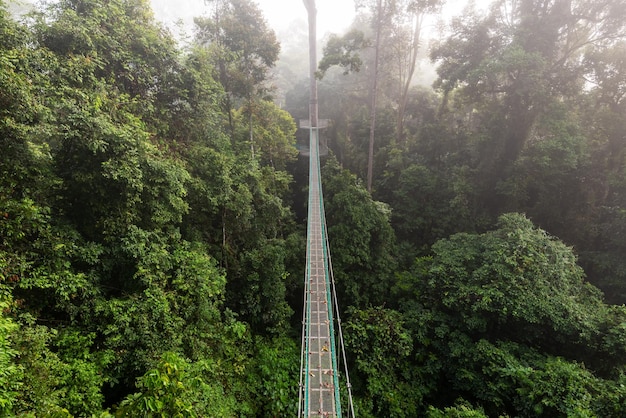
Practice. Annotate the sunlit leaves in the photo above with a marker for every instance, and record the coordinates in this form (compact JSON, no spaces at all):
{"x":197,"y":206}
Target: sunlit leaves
{"x":10,"y":373}
{"x":167,"y":390}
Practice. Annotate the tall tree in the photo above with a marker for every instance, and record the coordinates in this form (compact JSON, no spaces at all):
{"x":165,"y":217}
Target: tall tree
{"x":245,"y":50}
{"x":396,"y":29}
{"x":410,"y":31}
{"x":522,"y":56}
{"x":380,"y":20}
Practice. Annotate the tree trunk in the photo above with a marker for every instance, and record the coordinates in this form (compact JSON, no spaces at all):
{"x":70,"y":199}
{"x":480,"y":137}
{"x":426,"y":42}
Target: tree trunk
{"x":312,"y":13}
{"x":374,"y":94}
{"x":406,"y":84}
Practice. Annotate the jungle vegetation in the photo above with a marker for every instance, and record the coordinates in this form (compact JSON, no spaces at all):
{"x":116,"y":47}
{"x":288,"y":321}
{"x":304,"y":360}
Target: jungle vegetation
{"x":153,"y":203}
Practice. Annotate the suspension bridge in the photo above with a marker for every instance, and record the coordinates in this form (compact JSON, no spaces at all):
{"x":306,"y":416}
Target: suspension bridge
{"x":319,"y":390}
{"x":319,"y":373}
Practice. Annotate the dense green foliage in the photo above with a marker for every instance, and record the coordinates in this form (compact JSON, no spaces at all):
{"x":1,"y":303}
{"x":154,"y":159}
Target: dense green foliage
{"x":526,"y":116}
{"x":152,"y":239}
{"x":126,"y":205}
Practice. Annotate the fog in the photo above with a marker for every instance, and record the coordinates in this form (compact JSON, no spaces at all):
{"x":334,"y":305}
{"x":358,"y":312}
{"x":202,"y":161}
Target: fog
{"x":333,"y":15}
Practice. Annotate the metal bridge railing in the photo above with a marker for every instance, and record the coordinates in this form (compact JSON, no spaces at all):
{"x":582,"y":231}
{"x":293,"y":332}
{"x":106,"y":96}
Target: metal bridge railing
{"x":319,"y":376}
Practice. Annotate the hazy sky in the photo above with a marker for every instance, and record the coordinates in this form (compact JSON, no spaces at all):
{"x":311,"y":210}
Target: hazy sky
{"x":332,"y":15}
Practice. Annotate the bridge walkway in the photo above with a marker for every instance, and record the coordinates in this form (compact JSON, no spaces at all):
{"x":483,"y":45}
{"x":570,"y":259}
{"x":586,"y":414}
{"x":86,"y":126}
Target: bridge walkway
{"x":319,"y":390}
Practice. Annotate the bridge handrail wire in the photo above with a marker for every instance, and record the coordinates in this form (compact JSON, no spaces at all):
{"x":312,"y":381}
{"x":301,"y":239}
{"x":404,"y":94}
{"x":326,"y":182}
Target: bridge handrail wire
{"x":304,"y":343}
{"x":329,"y":274}
{"x":342,"y":347}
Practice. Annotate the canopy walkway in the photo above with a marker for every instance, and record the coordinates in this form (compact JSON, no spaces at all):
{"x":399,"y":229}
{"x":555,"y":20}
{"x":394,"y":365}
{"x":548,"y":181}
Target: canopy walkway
{"x":319,"y":375}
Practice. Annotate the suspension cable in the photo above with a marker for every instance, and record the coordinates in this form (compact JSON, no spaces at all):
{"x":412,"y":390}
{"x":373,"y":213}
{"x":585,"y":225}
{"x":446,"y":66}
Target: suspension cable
{"x":303,"y":343}
{"x":336,"y":308}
